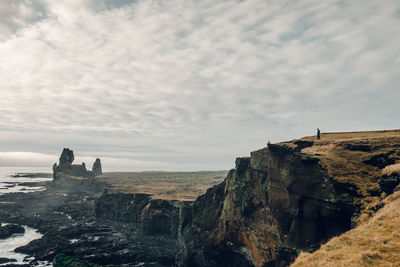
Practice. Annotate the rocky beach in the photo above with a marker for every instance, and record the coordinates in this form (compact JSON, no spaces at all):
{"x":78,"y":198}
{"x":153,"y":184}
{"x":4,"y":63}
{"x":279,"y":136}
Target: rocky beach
{"x":70,"y":218}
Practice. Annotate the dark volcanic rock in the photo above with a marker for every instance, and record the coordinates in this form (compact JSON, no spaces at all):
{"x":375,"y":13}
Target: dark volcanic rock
{"x":130,"y":230}
{"x":284,"y":257}
{"x":32,"y":175}
{"x":303,"y":144}
{"x":357,"y":147}
{"x":388,"y":183}
{"x":227,"y":255}
{"x":121,"y":207}
{"x":65,"y":166}
{"x":67,"y":182}
{"x":10,"y":229}
{"x":66,"y":217}
{"x":96,"y":169}
{"x":66,"y":159}
{"x":155,"y":216}
{"x":380,"y":160}
{"x":160,"y":217}
{"x":6,"y":260}
{"x":276,"y":197}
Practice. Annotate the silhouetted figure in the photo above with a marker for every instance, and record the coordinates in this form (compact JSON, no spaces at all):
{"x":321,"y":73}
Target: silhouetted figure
{"x":318,"y":134}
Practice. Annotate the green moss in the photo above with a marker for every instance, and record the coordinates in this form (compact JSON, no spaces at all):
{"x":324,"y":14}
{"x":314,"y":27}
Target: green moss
{"x":227,"y":204}
{"x":62,"y":260}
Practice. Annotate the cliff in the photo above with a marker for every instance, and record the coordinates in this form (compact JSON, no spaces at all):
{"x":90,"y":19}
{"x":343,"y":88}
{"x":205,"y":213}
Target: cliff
{"x":288,"y":196}
{"x":153,"y":216}
{"x":375,"y":242}
{"x":75,"y":184}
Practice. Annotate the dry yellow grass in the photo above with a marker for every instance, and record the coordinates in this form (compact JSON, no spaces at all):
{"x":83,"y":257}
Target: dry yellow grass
{"x":348,"y":167}
{"x":392,"y":169}
{"x":373,"y":243}
{"x":185,"y":186}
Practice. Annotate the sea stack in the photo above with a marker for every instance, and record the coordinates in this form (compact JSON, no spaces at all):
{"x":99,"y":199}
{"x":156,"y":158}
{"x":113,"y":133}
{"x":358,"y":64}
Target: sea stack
{"x":65,"y":166}
{"x":96,"y":169}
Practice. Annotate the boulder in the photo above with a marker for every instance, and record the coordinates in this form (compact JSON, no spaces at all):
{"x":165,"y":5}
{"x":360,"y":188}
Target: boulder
{"x":10,"y":229}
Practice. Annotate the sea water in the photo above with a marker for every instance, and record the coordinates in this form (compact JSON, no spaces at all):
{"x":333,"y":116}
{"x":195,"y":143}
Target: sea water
{"x":10,"y":184}
{"x":8,"y":245}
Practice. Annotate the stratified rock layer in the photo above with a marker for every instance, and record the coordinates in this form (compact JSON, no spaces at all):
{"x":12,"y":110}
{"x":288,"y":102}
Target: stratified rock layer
{"x":155,"y":216}
{"x":277,"y":197}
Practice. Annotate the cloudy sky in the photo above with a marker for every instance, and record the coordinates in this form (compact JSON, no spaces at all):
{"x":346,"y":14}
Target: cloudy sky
{"x":190,"y":84}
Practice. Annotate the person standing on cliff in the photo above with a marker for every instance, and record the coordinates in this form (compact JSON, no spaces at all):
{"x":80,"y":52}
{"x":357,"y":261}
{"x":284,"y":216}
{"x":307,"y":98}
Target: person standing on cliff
{"x":318,"y":134}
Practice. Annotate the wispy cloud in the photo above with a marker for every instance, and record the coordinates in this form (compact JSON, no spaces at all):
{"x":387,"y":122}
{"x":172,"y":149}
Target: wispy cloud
{"x":199,"y":81}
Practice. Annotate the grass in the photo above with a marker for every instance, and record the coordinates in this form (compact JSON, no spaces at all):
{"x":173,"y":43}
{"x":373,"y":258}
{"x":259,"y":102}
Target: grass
{"x":185,"y":186}
{"x":348,"y":167}
{"x":392,"y":169}
{"x":376,"y":242}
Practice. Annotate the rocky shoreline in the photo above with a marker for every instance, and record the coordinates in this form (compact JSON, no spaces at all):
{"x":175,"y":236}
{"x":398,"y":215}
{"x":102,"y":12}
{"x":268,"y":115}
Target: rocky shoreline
{"x":67,"y":219}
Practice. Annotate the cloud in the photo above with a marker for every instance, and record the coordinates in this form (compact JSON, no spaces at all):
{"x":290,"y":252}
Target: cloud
{"x":13,"y":15}
{"x":31,"y":159}
{"x":25,"y":159}
{"x":198,"y":81}
{"x":72,"y":11}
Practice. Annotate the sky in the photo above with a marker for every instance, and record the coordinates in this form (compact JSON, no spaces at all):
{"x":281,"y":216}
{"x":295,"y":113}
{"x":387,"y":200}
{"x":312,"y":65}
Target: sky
{"x":190,"y":84}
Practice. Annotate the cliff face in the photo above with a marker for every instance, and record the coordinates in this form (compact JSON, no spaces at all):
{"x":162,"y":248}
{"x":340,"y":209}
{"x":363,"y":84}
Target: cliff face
{"x":154,"y":216}
{"x":74,"y":184}
{"x":277,"y":197}
{"x":375,"y":242}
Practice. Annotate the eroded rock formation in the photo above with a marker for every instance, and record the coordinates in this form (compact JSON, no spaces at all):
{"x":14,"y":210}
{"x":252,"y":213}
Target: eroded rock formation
{"x":96,"y":169}
{"x":154,"y":216}
{"x":277,"y":197}
{"x":65,"y":166}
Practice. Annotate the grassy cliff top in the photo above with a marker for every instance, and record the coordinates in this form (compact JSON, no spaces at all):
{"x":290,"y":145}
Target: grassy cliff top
{"x":360,"y":159}
{"x":356,"y":159}
{"x":186,"y":186}
{"x":376,"y":242}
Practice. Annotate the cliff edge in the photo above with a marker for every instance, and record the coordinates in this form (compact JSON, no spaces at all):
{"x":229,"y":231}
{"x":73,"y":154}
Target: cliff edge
{"x":288,"y":197}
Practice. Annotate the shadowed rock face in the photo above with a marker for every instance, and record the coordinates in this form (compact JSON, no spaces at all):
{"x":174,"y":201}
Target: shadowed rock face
{"x":277,"y":197}
{"x":154,"y":216}
{"x":380,"y":160}
{"x":388,"y":183}
{"x":96,"y":169}
{"x":65,"y":166}
{"x":66,"y":159}
{"x":10,"y":229}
